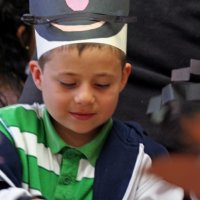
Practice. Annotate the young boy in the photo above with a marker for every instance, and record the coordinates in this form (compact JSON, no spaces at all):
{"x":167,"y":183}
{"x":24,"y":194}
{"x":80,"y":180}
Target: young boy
{"x":70,"y":147}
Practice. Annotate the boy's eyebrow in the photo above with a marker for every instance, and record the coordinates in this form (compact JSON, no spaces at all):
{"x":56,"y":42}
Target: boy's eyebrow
{"x":104,"y":74}
{"x":67,"y":74}
{"x":75,"y":74}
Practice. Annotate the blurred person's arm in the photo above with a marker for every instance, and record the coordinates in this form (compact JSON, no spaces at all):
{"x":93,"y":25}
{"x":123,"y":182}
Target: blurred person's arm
{"x":10,"y":173}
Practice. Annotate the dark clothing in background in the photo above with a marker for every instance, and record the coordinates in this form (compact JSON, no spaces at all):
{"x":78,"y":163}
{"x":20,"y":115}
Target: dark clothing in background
{"x":165,"y":36}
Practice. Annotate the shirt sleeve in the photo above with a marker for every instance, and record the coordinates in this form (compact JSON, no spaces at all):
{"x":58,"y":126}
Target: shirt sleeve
{"x":146,"y":186}
{"x":154,"y":188}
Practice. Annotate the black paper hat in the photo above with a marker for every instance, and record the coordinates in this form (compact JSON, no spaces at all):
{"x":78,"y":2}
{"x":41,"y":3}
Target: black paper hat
{"x":184,"y":86}
{"x":61,"y":22}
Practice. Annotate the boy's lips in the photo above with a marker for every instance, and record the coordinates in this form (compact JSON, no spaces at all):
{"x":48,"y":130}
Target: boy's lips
{"x":82,"y":116}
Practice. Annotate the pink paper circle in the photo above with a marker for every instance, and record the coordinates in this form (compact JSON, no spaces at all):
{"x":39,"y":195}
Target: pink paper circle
{"x":77,"y":5}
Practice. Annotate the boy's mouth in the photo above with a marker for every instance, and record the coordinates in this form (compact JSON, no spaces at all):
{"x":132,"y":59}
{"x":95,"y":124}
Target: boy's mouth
{"x":79,"y":28}
{"x":82,"y":116}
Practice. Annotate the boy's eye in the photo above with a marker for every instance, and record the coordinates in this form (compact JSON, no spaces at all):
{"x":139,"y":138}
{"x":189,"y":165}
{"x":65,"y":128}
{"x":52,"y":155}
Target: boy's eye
{"x":68,"y":85}
{"x":102,"y":86}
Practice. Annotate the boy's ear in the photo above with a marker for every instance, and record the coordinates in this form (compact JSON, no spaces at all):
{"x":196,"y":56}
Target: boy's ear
{"x":36,"y":73}
{"x":125,"y":75}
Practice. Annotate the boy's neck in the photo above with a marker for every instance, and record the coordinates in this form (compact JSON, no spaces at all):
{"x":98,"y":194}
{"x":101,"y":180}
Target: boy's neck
{"x":75,"y":139}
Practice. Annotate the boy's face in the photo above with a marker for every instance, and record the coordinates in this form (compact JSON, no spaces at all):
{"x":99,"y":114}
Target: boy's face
{"x":80,"y":91}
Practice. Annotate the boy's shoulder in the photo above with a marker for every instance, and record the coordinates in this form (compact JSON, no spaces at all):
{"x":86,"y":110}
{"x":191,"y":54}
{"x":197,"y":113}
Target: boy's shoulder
{"x":21,"y":113}
{"x":127,"y":149}
{"x":130,"y":133}
{"x":23,"y":108}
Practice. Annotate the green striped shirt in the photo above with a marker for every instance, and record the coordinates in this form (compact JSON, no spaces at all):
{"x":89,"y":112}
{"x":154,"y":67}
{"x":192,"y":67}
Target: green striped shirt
{"x":51,"y":167}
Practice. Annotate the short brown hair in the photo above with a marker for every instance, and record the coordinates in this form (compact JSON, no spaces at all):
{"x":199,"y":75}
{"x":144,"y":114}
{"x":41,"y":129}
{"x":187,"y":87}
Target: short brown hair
{"x":81,"y":47}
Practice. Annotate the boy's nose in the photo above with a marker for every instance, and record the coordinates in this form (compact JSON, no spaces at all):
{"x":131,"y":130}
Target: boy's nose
{"x":84,"y":96}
